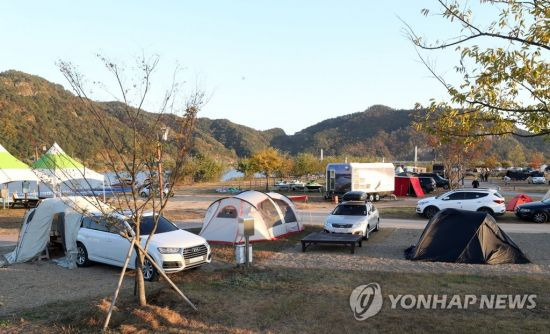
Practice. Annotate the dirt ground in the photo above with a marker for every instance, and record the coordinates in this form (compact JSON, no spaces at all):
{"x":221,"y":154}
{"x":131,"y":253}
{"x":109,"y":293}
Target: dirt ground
{"x":30,"y":285}
{"x":33,"y":284}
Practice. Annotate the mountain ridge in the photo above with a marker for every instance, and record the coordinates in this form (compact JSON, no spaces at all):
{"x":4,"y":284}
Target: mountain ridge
{"x":36,"y":112}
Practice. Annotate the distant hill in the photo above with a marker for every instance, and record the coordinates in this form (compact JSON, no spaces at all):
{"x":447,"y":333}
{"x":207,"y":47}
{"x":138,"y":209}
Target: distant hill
{"x":35,"y":112}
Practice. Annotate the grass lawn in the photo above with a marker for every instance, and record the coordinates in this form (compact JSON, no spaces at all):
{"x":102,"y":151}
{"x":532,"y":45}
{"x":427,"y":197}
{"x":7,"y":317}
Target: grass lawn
{"x":295,"y":301}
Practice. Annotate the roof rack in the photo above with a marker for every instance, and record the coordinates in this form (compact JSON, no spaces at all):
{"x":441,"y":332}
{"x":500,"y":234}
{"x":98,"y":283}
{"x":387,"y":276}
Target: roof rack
{"x":497,"y":188}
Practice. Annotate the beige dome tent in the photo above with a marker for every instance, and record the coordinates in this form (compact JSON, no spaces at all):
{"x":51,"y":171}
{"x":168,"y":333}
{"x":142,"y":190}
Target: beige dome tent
{"x":275,"y":217}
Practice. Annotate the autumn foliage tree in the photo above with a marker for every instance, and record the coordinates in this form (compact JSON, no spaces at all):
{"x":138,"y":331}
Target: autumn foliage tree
{"x":537,"y":159}
{"x":503,"y":69}
{"x":267,"y":161}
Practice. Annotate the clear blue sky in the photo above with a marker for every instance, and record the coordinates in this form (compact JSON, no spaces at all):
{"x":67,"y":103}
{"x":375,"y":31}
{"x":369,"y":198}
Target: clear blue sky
{"x":267,"y":64}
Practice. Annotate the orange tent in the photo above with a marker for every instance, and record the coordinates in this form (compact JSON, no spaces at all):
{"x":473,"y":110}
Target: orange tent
{"x":517,"y":200}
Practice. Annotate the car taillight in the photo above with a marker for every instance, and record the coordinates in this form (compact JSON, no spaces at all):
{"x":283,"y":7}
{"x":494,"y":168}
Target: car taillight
{"x":498,"y":201}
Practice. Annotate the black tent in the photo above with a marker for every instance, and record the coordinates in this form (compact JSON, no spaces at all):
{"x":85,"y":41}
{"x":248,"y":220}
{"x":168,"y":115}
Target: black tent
{"x":465,"y":237}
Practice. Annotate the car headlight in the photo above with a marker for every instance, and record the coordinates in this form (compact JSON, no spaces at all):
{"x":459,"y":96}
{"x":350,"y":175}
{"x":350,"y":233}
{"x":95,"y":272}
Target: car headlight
{"x":524,"y":210}
{"x":169,"y":250}
{"x":422,"y":202}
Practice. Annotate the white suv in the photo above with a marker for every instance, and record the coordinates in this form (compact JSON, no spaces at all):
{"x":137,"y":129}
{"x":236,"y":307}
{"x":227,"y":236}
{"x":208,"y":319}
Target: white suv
{"x":471,"y":199}
{"x":172,"y":249}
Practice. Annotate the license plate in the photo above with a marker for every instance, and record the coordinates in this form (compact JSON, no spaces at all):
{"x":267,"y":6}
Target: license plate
{"x":196,"y":259}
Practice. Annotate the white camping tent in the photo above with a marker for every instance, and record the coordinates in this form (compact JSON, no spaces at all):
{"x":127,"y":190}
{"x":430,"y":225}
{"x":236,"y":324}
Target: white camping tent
{"x":13,"y":173}
{"x":65,"y":213}
{"x":275,"y":216}
{"x":62,"y":174}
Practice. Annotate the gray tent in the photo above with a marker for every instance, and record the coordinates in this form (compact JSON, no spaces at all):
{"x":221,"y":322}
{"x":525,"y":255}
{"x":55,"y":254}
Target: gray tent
{"x":466,"y":237}
{"x":64,"y":214}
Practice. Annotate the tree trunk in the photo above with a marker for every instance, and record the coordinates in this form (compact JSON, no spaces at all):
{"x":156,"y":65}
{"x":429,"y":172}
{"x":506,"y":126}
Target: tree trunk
{"x":140,"y":282}
{"x":266,"y":182}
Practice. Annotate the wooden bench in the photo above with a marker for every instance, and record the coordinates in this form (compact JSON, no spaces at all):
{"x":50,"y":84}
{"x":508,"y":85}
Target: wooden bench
{"x":332,"y":238}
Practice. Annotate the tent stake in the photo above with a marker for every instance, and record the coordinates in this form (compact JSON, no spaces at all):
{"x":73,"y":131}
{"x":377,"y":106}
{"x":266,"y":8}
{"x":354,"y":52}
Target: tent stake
{"x":119,"y":284}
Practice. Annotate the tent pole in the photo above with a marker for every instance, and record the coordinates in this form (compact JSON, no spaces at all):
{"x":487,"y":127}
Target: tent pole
{"x":106,"y":324}
{"x":103,"y":189}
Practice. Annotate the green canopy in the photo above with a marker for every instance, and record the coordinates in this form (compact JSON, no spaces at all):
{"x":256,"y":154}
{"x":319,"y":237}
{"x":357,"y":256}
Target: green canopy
{"x":12,"y":169}
{"x":56,"y":158}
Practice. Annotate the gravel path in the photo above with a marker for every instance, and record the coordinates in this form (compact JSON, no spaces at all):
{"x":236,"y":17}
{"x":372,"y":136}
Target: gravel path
{"x":384,"y":252}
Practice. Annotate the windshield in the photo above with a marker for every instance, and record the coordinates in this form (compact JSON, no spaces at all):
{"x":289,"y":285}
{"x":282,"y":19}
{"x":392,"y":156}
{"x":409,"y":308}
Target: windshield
{"x":546,"y":201}
{"x":350,"y":210}
{"x":164,"y":225}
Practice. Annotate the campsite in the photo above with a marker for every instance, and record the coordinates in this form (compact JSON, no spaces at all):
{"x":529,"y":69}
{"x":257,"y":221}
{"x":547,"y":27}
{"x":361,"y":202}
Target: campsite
{"x":275,"y":167}
{"x":277,"y":265}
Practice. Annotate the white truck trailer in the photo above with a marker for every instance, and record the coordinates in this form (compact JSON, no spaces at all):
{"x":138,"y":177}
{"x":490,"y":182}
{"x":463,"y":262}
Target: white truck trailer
{"x":375,"y":179}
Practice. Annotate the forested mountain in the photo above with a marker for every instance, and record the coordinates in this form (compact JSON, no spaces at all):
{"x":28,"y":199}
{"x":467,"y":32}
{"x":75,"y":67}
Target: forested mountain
{"x":35,"y":113}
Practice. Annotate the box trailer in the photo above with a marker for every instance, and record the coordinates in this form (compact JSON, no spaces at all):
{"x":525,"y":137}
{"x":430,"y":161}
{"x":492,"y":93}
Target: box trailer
{"x":375,"y":179}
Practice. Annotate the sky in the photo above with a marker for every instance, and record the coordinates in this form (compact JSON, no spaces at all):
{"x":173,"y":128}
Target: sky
{"x":264,"y":64}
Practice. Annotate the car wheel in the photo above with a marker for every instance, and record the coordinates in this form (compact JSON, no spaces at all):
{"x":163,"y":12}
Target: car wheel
{"x":377,"y":226}
{"x":150,"y":273}
{"x":82,"y":256}
{"x":486,"y":210}
{"x":540,"y":217}
{"x":371,"y":198}
{"x":376,"y":197}
{"x":446,"y":186}
{"x":367,"y":233}
{"x":430,"y":211}
{"x":143,"y":194}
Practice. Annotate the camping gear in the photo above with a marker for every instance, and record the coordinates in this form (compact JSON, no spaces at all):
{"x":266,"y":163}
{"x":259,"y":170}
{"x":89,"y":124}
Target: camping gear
{"x":275,"y":217}
{"x":333,"y":239}
{"x":517,"y":200}
{"x":408,"y":186}
{"x":64,"y":175}
{"x":460,"y":236}
{"x":58,"y":216}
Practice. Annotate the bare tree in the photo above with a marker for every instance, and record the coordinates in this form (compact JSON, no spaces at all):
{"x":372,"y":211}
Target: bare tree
{"x":141,"y":149}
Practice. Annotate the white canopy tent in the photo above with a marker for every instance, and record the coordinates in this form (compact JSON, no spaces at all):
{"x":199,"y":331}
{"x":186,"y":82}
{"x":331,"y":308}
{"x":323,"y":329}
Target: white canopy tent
{"x":66,"y":213}
{"x":62,"y":174}
{"x":275,"y":217}
{"x":13,"y":172}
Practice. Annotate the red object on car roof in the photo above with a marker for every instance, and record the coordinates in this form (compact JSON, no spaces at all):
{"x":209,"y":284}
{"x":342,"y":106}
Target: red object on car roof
{"x":517,"y":200}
